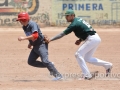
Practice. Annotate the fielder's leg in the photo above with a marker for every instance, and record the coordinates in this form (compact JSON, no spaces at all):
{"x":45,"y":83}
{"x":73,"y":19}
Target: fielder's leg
{"x":85,"y":48}
{"x":88,"y":57}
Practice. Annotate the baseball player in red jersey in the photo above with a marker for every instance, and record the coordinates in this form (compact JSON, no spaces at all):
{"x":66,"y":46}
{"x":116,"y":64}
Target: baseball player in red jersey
{"x":40,"y":48}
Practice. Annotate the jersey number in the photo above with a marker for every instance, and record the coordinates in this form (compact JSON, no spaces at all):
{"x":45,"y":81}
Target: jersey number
{"x":84,"y":22}
{"x":87,"y":24}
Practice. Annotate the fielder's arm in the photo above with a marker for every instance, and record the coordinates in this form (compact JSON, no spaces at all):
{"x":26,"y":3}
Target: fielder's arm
{"x":57,"y":36}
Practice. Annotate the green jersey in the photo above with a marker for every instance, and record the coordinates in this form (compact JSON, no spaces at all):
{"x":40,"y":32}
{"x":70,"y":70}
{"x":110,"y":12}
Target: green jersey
{"x":81,"y":28}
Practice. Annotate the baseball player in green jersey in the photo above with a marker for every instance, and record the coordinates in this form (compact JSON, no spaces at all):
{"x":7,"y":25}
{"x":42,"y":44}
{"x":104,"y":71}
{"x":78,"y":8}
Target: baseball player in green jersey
{"x":86,"y":33}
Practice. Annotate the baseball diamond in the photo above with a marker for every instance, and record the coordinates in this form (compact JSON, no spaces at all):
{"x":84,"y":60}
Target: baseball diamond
{"x":59,"y":45}
{"x":16,"y":74}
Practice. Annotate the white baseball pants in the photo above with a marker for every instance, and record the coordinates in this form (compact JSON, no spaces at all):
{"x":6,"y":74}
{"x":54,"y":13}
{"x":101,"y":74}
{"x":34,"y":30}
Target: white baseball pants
{"x":85,"y":53}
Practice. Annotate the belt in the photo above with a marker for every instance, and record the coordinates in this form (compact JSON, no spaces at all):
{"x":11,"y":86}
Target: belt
{"x":88,"y":35}
{"x":91,"y":34}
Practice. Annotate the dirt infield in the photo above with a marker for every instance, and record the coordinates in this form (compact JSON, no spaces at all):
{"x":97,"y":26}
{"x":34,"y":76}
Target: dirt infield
{"x":16,"y":74}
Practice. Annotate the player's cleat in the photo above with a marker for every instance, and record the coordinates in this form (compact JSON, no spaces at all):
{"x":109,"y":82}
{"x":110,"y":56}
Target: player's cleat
{"x":94,"y":74}
{"x":52,"y":63}
{"x":85,"y":78}
{"x":108,"y":71}
{"x":58,"y":78}
{"x":88,"y":78}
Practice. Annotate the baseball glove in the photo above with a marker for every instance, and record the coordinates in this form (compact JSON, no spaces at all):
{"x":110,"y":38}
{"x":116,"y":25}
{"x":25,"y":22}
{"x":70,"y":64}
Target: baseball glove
{"x":46,"y":39}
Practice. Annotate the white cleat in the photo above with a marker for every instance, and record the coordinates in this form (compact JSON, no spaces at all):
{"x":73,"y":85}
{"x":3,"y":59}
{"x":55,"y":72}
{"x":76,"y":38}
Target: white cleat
{"x":57,"y":78}
{"x":52,"y":63}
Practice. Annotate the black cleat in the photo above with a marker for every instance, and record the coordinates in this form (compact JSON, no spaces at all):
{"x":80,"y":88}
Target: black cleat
{"x":94,"y":74}
{"x":108,"y":71}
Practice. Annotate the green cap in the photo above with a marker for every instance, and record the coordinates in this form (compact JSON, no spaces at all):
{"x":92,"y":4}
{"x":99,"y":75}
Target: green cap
{"x":69,"y":12}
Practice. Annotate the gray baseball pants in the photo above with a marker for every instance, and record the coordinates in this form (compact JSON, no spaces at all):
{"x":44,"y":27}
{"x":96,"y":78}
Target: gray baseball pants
{"x":42,"y":52}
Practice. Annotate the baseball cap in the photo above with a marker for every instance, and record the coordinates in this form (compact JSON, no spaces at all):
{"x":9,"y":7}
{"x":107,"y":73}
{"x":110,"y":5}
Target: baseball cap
{"x":69,"y":12}
{"x":23,"y":16}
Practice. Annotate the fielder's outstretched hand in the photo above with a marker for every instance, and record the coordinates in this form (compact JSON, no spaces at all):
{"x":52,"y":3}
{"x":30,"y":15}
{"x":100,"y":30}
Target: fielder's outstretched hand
{"x":46,"y":39}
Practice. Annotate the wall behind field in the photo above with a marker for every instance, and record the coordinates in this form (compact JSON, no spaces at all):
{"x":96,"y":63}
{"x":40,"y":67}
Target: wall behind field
{"x":39,"y":11}
{"x":50,"y":12}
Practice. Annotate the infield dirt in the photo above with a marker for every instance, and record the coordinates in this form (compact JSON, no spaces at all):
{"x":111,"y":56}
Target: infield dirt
{"x":16,"y":74}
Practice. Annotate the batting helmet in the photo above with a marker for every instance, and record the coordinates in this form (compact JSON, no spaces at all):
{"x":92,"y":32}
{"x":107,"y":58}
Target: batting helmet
{"x":23,"y":16}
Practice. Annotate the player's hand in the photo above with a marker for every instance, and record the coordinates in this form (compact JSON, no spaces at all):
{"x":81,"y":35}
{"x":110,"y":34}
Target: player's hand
{"x":21,"y":38}
{"x":77,"y":42}
{"x":29,"y":46}
{"x":46,"y":39}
